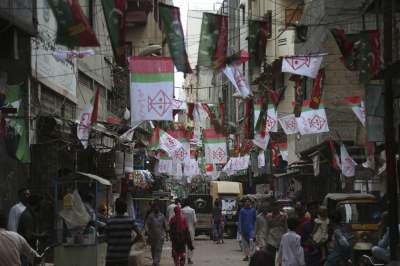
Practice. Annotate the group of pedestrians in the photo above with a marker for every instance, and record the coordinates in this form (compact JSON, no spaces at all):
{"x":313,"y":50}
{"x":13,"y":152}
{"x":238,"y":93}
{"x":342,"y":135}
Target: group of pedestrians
{"x":178,"y":226}
{"x":306,"y":238}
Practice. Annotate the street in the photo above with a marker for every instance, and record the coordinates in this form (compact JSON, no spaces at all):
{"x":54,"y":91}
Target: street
{"x":206,"y":253}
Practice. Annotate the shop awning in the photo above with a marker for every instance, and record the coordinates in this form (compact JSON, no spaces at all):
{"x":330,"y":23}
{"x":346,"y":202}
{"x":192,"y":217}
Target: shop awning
{"x":96,"y":178}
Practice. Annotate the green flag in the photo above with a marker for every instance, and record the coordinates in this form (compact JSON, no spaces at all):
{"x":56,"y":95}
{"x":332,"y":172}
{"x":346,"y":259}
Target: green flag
{"x":213,"y":39}
{"x":14,"y":99}
{"x":114,"y":13}
{"x":171,"y":19}
{"x":73,"y":28}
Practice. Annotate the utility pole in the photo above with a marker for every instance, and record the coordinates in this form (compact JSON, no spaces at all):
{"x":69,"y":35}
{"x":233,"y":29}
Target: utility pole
{"x":389,"y":128}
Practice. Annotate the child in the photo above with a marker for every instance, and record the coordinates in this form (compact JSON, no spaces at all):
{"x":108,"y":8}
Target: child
{"x":290,"y":251}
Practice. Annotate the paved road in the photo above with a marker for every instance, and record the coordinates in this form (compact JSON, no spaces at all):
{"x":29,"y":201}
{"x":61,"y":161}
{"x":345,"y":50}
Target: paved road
{"x":207,"y":253}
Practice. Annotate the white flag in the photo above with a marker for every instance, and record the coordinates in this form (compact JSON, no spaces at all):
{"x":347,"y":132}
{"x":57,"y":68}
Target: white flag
{"x":165,"y":166}
{"x":152,"y":88}
{"x":168,"y":143}
{"x":62,"y":55}
{"x":128,"y":135}
{"x":302,"y":65}
{"x":240,"y":163}
{"x":312,"y":122}
{"x":179,"y":104}
{"x":271,"y":119}
{"x":85,"y":124}
{"x":261,"y":142}
{"x":228,"y":168}
{"x":359,"y":111}
{"x":200,"y":115}
{"x":234,"y":74}
{"x":182,"y":153}
{"x":261,"y":159}
{"x":289,"y":124}
{"x":348,"y":164}
{"x":191,"y":168}
{"x":178,"y":173}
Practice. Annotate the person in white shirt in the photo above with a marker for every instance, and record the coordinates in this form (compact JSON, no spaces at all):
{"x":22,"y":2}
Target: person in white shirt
{"x":16,"y":211}
{"x":291,"y":252}
{"x":170,"y":209}
{"x":190,"y":215}
{"x":13,"y":246}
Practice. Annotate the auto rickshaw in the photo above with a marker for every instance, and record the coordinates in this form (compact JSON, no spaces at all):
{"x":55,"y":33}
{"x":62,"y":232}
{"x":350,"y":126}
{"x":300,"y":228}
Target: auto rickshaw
{"x":360,"y":216}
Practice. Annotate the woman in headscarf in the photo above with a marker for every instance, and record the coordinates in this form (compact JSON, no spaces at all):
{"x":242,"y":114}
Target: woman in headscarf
{"x":180,"y":237}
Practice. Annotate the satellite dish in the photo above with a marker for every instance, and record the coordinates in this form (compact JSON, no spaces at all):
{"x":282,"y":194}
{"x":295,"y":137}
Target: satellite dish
{"x":151,"y":49}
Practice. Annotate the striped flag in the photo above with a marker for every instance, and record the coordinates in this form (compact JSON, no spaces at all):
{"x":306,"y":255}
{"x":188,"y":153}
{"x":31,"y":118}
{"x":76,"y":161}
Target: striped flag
{"x":214,"y":146}
{"x":152,"y":88}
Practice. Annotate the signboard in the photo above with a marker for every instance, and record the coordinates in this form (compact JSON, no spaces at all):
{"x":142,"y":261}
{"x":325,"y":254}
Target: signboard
{"x":58,"y":75}
{"x":20,"y":13}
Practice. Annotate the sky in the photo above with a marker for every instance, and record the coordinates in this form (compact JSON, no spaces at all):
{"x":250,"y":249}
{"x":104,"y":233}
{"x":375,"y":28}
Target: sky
{"x":184,"y":6}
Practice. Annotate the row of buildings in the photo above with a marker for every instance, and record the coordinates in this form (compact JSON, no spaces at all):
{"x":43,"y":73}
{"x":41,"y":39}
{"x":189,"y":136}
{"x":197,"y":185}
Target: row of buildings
{"x":54,"y":92}
{"x":302,"y":28}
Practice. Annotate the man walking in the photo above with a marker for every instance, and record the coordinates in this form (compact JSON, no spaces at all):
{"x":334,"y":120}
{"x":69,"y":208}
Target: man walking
{"x":261,"y":228}
{"x":190,"y":215}
{"x":156,"y":228}
{"x":13,"y":246}
{"x":16,"y":211}
{"x":276,"y":227}
{"x":290,"y":251}
{"x":119,"y":236}
{"x":247,"y":220}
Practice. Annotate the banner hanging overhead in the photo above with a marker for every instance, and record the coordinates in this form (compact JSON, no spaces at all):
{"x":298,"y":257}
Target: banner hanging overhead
{"x":172,"y":26}
{"x":73,"y":27}
{"x":302,"y":65}
{"x":289,"y":124}
{"x":213,"y":39}
{"x":312,"y":121}
{"x":214,"y":146}
{"x":152,"y":88}
{"x":115,"y":14}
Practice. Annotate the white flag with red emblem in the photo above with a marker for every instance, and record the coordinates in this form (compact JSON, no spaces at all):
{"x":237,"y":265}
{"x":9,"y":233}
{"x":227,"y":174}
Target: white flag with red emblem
{"x":289,"y":124}
{"x":348,"y":165}
{"x":271,"y":121}
{"x":169,"y":144}
{"x":260,"y":141}
{"x":152,"y":88}
{"x":312,"y":121}
{"x":234,"y":74}
{"x":302,"y":65}
{"x":215,"y":149}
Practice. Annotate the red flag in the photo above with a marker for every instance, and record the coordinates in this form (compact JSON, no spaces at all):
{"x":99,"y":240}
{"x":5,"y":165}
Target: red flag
{"x":222,"y":113}
{"x":276,"y":96}
{"x":95,"y":112}
{"x":317,"y":90}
